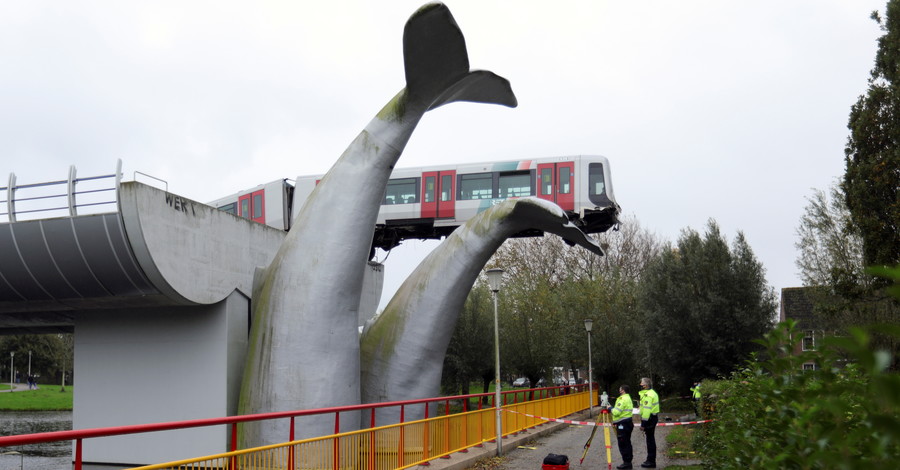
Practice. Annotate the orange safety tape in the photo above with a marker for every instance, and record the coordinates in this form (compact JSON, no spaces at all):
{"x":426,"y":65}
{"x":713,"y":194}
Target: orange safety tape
{"x":589,"y":423}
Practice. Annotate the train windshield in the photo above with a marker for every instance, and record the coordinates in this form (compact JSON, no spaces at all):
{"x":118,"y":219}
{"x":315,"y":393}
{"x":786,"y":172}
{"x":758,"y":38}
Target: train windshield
{"x":597,"y":185}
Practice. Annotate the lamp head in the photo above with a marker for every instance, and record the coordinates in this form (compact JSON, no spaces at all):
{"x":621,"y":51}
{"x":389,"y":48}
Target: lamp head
{"x":495,"y":278}
{"x":588,"y":324}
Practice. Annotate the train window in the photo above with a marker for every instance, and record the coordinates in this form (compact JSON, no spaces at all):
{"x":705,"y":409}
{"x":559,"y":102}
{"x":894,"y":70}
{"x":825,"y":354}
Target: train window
{"x":401,"y":191}
{"x":446,"y":186}
{"x":565,"y":180}
{"x":229,"y":208}
{"x":257,"y":205}
{"x":596,"y":185}
{"x":476,"y":186}
{"x":429,"y":189}
{"x":515,"y":184}
{"x":245,"y":208}
{"x":547,"y":181}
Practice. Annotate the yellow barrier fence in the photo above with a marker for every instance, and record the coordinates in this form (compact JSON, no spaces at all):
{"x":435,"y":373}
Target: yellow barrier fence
{"x":392,"y":447}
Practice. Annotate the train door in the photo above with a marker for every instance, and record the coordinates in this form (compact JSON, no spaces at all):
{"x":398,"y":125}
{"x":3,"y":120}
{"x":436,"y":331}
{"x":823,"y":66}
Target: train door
{"x":556,"y":183}
{"x":439,"y":194}
{"x":253,"y":206}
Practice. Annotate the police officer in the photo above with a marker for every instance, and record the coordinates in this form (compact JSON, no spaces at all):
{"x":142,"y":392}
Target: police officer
{"x":695,"y":394}
{"x":649,"y":417}
{"x":622,"y":419}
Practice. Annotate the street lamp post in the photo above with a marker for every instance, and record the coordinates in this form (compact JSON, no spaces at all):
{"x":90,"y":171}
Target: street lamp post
{"x":12,"y":371}
{"x":29,"y":363}
{"x":495,"y":279}
{"x":588,"y":324}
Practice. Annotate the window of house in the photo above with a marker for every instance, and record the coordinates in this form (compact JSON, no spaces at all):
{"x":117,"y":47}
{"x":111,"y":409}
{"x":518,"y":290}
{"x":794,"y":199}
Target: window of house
{"x":476,"y":186}
{"x":809,"y":366}
{"x":809,"y":340}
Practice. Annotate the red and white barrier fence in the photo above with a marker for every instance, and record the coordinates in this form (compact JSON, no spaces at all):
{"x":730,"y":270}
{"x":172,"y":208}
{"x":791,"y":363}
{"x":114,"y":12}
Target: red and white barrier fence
{"x":591,"y":423}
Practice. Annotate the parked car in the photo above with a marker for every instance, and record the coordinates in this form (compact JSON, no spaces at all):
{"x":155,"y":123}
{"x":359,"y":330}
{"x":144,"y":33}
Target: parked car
{"x":520,"y":382}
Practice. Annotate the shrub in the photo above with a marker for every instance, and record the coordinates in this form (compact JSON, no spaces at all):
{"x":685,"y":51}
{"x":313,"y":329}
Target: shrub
{"x":773,"y":415}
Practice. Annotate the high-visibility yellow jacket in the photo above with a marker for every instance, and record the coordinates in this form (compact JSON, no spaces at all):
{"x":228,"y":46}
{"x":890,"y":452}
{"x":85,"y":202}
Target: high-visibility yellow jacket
{"x":696,"y":391}
{"x":623,"y":409}
{"x":649,"y":403}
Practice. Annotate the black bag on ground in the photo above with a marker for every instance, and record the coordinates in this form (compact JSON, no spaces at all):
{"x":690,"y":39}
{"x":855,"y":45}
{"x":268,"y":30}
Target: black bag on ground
{"x":556,"y":459}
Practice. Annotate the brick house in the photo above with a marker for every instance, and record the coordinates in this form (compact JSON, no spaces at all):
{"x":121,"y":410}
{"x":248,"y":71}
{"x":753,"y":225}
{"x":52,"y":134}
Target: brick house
{"x":797,"y":304}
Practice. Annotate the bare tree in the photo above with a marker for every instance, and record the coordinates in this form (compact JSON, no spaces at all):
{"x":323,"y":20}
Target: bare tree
{"x":552,"y":287}
{"x":830,"y":247}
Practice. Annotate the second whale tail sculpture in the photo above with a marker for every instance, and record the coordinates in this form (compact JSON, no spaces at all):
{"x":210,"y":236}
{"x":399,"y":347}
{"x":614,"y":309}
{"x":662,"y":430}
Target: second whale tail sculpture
{"x":402,"y":351}
{"x":304,"y":343}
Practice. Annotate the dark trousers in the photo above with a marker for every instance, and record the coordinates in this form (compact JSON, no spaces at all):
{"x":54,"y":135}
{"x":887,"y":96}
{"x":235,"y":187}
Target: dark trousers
{"x":649,"y":427}
{"x":623,"y":435}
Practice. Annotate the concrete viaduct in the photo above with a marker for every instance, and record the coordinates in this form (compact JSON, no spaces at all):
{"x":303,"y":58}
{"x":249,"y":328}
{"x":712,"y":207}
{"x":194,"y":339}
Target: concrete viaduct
{"x":158,"y":296}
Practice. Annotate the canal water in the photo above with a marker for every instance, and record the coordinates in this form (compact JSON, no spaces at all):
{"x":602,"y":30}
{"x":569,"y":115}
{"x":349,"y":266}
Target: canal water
{"x":47,"y":456}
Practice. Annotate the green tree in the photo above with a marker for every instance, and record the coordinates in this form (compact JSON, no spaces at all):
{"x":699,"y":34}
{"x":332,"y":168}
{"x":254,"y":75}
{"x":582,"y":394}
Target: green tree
{"x":47,"y":354}
{"x":618,"y":352}
{"x":553,"y":287}
{"x":830,"y":260}
{"x":872,"y":178}
{"x":531,"y":317}
{"x":703,"y":304}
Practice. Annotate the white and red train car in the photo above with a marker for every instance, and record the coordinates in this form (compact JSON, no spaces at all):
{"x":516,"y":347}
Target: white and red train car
{"x":430,"y":202}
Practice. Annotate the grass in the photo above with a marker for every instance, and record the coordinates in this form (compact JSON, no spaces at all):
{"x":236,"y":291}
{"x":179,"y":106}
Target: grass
{"x":45,"y":398}
{"x":680,"y":442}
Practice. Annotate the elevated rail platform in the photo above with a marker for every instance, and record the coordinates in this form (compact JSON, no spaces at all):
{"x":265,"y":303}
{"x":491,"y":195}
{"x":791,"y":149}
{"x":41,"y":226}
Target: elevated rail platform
{"x":157,"y":290}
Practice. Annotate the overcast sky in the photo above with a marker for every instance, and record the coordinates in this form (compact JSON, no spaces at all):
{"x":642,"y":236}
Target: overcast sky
{"x":706,"y":109}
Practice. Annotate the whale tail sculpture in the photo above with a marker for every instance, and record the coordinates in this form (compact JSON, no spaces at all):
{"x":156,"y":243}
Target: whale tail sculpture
{"x":402,"y":351}
{"x":304,"y":345}
{"x":437,"y":63}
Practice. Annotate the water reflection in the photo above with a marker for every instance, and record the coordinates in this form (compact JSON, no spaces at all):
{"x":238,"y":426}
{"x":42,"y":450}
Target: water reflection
{"x":46,"y":456}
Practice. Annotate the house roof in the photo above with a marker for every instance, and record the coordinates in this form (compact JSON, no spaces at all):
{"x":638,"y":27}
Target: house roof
{"x":797,"y":303}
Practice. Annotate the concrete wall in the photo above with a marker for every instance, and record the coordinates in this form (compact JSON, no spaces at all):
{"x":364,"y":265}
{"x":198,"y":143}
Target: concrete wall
{"x":191,"y":252}
{"x":159,"y":365}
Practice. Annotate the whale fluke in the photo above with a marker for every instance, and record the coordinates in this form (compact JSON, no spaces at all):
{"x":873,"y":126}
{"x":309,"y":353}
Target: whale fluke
{"x":402,"y":350}
{"x":437,"y":63}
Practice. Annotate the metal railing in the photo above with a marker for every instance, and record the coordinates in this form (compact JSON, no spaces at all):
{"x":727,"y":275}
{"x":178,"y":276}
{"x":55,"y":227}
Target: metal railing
{"x":416,"y":441}
{"x":42,"y":198}
{"x":396,"y":446}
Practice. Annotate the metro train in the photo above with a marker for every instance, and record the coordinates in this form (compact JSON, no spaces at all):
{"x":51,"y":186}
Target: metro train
{"x":430,"y":202}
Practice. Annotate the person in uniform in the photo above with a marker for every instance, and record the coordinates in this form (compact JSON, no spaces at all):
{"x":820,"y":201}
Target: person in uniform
{"x":622,"y":413}
{"x":649,"y":417}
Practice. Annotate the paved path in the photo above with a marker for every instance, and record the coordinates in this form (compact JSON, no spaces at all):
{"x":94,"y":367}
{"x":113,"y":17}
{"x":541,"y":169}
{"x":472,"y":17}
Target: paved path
{"x":570,"y":441}
{"x":526,"y":451}
{"x":18,"y":388}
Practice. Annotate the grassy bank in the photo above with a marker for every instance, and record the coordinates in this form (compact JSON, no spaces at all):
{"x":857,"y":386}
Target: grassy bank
{"x":45,"y":398}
